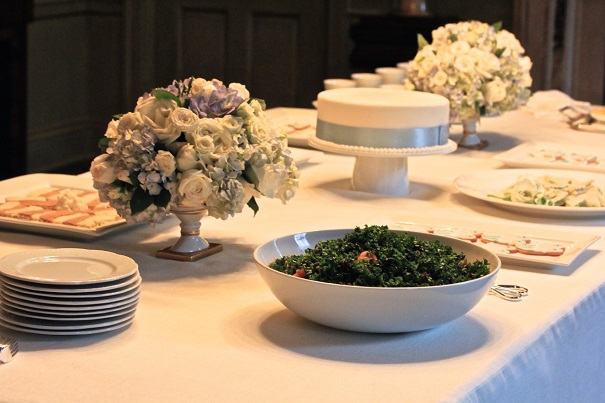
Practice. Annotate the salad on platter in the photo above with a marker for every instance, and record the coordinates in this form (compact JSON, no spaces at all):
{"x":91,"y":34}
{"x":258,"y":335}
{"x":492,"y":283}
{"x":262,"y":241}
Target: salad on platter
{"x":548,"y":190}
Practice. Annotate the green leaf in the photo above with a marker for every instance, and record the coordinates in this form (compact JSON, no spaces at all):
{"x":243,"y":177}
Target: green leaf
{"x":134,"y":178}
{"x":253,"y":205}
{"x":499,"y":52}
{"x":159,"y":93}
{"x":140,"y":200}
{"x":104,"y":143}
{"x":422,"y":42}
{"x":497,"y":26}
{"x":453,"y":37}
{"x":117,"y":117}
{"x":162,"y":199}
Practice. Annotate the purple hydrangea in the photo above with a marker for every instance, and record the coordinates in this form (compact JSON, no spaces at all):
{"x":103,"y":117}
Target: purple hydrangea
{"x":221,"y":102}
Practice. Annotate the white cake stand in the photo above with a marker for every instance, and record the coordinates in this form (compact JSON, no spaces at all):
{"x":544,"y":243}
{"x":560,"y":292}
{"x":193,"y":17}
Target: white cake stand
{"x":381,"y":170}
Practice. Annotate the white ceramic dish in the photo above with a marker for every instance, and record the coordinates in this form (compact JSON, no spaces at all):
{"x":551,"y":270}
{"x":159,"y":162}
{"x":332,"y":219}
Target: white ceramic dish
{"x":94,"y":288}
{"x":55,"y":332}
{"x":573,"y":244}
{"x":298,"y":123}
{"x":481,"y":184}
{"x":43,"y":324}
{"x":68,"y":314}
{"x":59,"y":318}
{"x":90,"y":309}
{"x":87,"y":302}
{"x":554,"y":156}
{"x":23,"y":184}
{"x":67,"y":266}
{"x":10,"y":286}
{"x":372,"y":309}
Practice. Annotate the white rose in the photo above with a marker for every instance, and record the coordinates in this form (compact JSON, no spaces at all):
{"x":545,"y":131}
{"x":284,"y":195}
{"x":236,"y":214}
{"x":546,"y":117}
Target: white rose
{"x":508,"y":42}
{"x":459,"y":48}
{"x":245,"y":111}
{"x":488,"y":61}
{"x":231,"y":123}
{"x":200,"y":142}
{"x":112,"y":129}
{"x":207,"y":89}
{"x":273,"y":182}
{"x":439,"y":79}
{"x":166,"y":162}
{"x":130,"y":121}
{"x":196,"y":86}
{"x":260,"y":130}
{"x":209,"y":127}
{"x":242,"y":92}
{"x":102,"y":169}
{"x":258,"y":108}
{"x":525,"y":64}
{"x":495,"y":91}
{"x":187,"y":158}
{"x":194,"y":188}
{"x":184,"y":120}
{"x":156,"y":114}
{"x":464,"y":63}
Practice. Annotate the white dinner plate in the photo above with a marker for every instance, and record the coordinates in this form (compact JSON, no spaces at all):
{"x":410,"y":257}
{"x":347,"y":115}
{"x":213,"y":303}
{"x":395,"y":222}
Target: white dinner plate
{"x":84,"y":302}
{"x":59,"y":318}
{"x":75,"y":314}
{"x":24,"y":184}
{"x":299,"y":124}
{"x":483,"y":183}
{"x":555,"y":156}
{"x":73,"y":288}
{"x":67,"y":266}
{"x":502,"y":241}
{"x":56,"y":332}
{"x":67,"y":308}
{"x":108,"y":293}
{"x":43,"y":324}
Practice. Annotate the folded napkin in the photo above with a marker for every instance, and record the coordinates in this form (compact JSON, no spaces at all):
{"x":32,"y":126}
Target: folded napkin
{"x":547,"y":104}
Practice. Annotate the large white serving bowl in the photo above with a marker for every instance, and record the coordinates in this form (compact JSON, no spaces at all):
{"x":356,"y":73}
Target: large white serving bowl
{"x":372,"y":309}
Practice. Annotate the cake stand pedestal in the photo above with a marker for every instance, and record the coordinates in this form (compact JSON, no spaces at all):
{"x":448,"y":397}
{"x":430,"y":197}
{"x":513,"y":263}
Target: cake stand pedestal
{"x":381,"y":170}
{"x":387,"y":176}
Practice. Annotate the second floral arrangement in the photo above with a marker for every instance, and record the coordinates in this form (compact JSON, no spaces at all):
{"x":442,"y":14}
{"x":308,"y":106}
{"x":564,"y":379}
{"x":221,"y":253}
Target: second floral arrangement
{"x":482,"y":69}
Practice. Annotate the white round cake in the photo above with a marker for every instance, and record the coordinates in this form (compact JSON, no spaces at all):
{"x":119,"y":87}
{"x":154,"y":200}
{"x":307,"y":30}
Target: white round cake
{"x":381,"y":120}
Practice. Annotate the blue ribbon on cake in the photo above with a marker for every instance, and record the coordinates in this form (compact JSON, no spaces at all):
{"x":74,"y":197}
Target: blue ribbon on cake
{"x":383,"y":138}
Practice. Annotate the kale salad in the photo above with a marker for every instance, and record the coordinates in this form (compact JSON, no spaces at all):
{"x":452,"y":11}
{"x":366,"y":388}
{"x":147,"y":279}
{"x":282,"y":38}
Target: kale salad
{"x":374,"y":256}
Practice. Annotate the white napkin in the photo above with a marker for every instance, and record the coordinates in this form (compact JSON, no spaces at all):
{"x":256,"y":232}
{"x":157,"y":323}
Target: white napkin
{"x":546,"y":104}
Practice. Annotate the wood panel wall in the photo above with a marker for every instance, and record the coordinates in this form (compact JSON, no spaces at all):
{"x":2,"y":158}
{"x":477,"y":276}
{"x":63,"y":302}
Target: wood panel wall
{"x":91,"y":59}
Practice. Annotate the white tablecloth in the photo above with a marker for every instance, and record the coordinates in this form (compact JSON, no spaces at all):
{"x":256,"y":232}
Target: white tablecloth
{"x":212,"y":331}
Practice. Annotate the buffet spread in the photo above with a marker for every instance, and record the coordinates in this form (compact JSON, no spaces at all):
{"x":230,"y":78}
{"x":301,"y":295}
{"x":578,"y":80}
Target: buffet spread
{"x":227,"y":328}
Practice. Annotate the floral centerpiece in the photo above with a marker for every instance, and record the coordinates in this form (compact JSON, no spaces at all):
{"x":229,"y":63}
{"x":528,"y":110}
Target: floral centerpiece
{"x":194,"y":143}
{"x":480,"y":68}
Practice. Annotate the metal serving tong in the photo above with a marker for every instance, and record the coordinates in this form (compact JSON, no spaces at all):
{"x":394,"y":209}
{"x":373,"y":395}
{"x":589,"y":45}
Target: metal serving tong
{"x":579,"y":118}
{"x":509,"y":292}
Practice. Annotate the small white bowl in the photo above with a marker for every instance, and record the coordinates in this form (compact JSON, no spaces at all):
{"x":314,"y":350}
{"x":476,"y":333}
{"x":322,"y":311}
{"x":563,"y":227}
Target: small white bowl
{"x":391,"y":75}
{"x":393,"y":86}
{"x":336,"y":83}
{"x":372,"y":309}
{"x":369,"y":80}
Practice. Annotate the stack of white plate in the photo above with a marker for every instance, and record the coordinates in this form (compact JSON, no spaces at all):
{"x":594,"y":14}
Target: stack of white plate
{"x":68,"y":291}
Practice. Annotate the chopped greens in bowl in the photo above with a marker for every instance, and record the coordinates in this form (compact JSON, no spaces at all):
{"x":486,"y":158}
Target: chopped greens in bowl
{"x":376,"y":257}
{"x":375,"y":283}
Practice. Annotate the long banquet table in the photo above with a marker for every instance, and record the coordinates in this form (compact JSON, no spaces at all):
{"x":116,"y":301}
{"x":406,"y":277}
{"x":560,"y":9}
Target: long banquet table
{"x":212,"y":331}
